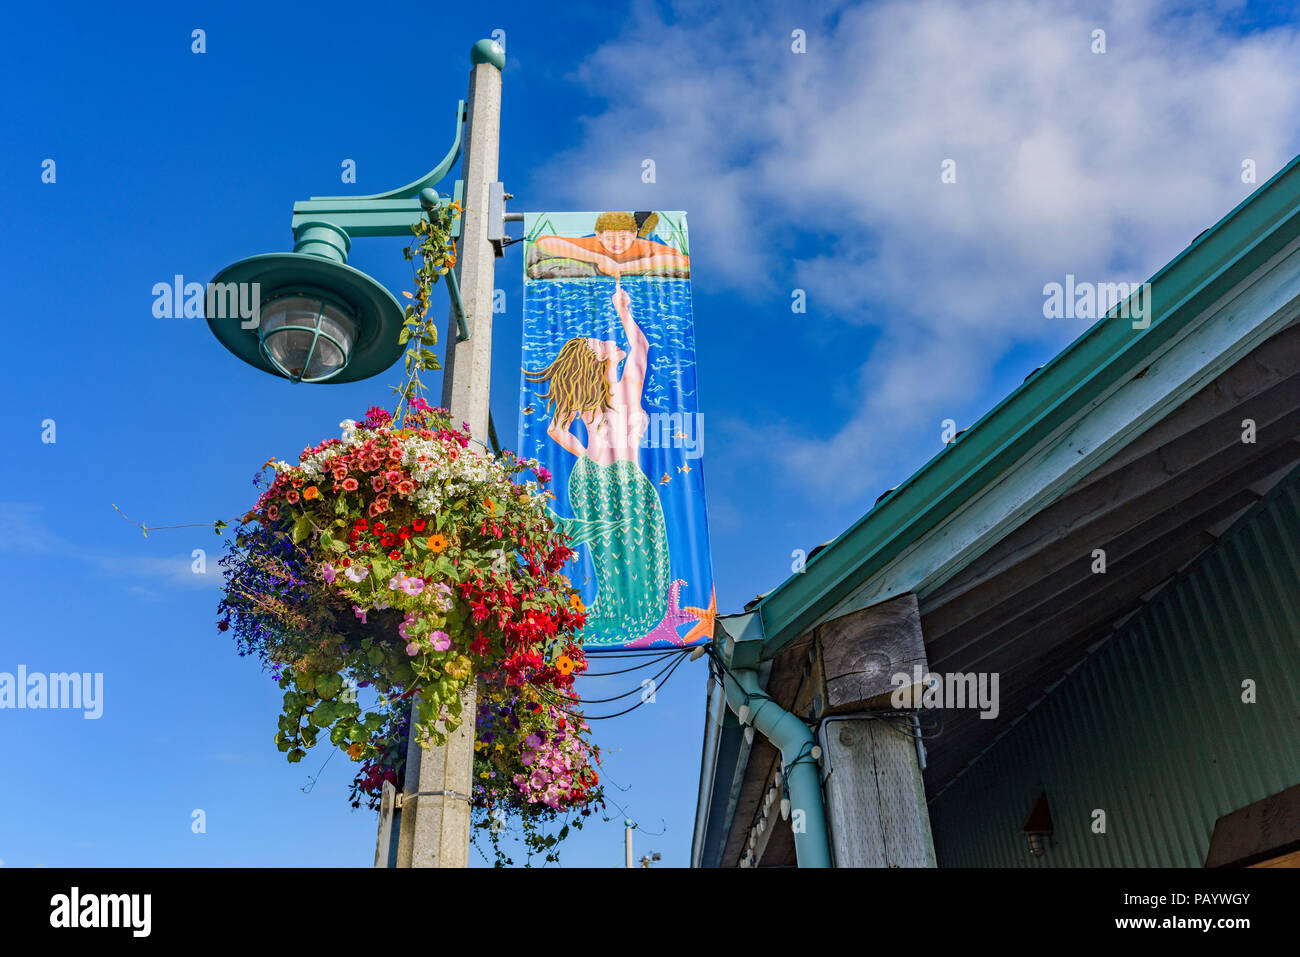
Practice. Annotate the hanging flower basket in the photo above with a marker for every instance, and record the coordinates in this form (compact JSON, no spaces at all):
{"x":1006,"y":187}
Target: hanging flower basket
{"x":412,"y":560}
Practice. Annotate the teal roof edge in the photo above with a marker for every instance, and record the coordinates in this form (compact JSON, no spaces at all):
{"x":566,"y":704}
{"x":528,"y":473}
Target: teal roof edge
{"x":1263,"y":223}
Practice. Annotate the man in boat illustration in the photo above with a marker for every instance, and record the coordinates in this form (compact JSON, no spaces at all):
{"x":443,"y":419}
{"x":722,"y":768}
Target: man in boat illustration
{"x":616,"y":509}
{"x":618,"y":247}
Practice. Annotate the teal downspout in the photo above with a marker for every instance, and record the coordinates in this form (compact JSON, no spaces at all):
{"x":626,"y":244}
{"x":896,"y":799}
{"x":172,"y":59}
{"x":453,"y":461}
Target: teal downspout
{"x":795,"y":741}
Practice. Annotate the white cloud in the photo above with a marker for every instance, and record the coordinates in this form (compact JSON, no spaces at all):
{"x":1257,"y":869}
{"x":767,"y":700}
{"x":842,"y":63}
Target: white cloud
{"x":1104,"y":166}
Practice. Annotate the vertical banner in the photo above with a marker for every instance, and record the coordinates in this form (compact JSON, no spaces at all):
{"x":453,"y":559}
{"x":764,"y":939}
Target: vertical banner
{"x":608,"y":403}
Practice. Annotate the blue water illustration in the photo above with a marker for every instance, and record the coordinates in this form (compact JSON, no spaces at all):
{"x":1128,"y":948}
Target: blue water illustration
{"x":671,"y":453}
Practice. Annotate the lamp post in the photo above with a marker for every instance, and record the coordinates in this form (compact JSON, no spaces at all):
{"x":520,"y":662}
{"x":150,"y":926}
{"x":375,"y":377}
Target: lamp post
{"x":319,"y":320}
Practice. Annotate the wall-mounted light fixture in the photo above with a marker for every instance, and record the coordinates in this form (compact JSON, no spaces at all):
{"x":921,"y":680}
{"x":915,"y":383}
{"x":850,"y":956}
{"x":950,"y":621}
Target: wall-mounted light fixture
{"x":1038,"y":826}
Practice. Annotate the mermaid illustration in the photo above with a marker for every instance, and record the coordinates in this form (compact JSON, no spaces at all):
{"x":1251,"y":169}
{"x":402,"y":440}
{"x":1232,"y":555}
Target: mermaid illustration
{"x":616,"y":508}
{"x":620,"y":245}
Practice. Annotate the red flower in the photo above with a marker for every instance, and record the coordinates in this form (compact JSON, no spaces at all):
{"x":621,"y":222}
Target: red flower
{"x":418,"y":524}
{"x":395,"y":555}
{"x":379,"y":527}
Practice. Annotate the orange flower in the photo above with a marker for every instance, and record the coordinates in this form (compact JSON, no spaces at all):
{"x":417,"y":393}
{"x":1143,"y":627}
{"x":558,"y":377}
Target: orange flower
{"x":436,"y":543}
{"x":310,"y":492}
{"x":488,"y":504}
{"x":354,"y":752}
{"x":575,"y":601}
{"x":564,"y":665}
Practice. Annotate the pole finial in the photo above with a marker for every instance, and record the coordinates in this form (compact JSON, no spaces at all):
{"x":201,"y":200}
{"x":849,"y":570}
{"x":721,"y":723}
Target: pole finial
{"x":488,"y":51}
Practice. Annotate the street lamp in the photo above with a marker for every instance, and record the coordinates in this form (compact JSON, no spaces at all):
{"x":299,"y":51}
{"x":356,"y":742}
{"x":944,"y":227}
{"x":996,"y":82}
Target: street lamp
{"x":315,"y":318}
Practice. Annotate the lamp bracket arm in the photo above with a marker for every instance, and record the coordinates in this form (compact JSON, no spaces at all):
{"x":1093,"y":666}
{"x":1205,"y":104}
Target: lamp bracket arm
{"x":430,"y":179}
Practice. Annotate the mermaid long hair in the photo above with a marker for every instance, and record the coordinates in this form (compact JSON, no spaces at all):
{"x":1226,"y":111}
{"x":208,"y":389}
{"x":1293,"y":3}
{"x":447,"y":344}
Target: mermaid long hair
{"x":577,"y":383}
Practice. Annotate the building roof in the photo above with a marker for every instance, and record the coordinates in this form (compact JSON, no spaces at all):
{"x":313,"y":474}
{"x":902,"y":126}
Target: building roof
{"x":968,"y":532}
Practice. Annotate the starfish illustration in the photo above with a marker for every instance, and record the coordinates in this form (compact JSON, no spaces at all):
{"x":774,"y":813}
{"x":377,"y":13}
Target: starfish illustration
{"x":666,"y":630}
{"x":704,"y":619}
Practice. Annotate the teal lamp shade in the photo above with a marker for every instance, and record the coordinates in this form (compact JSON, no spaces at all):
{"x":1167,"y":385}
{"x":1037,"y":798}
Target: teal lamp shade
{"x":315,"y":319}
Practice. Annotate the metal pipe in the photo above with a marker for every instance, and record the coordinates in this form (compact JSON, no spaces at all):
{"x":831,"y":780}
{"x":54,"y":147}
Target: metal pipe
{"x":453,"y":290}
{"x":795,"y":741}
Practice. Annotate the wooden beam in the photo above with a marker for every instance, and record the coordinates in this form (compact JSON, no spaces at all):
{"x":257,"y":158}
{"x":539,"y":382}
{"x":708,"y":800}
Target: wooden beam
{"x":1138,"y":491}
{"x":861,"y":652}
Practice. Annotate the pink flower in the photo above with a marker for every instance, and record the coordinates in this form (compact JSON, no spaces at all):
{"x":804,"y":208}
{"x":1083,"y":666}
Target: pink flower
{"x":413,"y":585}
{"x":392,"y":478}
{"x":360,"y":613}
{"x":527,"y":758}
{"x":441,"y":640}
{"x":328,"y":572}
{"x":291,"y":496}
{"x":356,"y":573}
{"x":543,"y":475}
{"x":412,"y":649}
{"x":349,"y":485}
{"x":377,"y":482}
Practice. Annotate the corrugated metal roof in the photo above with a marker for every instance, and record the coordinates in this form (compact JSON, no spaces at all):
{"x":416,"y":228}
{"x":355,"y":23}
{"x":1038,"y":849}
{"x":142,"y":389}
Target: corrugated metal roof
{"x":1152,"y":729}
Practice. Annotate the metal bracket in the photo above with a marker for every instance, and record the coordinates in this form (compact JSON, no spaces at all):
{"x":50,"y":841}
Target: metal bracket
{"x":392,"y":213}
{"x":496,"y":225}
{"x":450,"y":794}
{"x":428,"y":180}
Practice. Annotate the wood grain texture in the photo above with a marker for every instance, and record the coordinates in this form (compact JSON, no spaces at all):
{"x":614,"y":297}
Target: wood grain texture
{"x":860,"y":652}
{"x":875,"y":798}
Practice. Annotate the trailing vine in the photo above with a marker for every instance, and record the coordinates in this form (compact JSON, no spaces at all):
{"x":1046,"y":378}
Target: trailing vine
{"x":432,"y":254}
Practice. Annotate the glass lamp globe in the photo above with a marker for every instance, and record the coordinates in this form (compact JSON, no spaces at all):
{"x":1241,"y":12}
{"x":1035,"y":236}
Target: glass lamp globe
{"x":308,"y":338}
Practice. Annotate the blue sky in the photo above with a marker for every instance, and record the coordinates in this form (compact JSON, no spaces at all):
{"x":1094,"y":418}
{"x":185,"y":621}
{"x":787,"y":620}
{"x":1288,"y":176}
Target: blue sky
{"x":815,"y":171}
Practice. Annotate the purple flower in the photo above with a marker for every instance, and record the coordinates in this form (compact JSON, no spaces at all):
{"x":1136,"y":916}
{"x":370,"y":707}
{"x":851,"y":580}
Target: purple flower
{"x":356,"y":573}
{"x":413,"y":585}
{"x":360,"y":613}
{"x":329,"y":573}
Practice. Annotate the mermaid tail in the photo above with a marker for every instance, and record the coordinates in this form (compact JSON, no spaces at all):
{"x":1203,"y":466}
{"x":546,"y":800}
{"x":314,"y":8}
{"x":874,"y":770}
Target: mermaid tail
{"x":619,"y":517}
